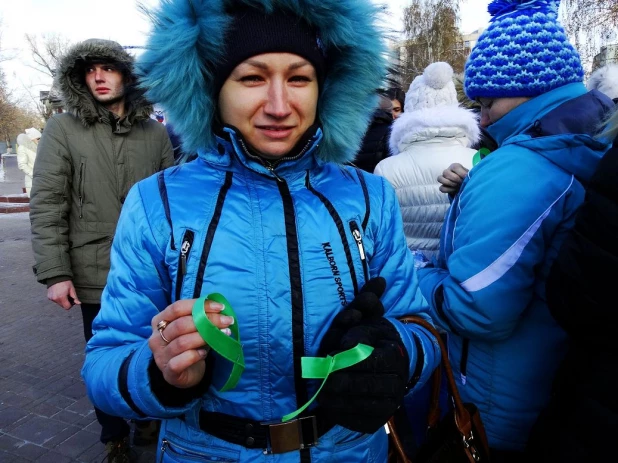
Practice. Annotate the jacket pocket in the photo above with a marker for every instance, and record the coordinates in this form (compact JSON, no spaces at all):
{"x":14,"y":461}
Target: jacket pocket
{"x":358,"y":239}
{"x":80,"y":186}
{"x":176,"y":451}
{"x":183,"y":259}
{"x":90,"y":263}
{"x":346,"y":439}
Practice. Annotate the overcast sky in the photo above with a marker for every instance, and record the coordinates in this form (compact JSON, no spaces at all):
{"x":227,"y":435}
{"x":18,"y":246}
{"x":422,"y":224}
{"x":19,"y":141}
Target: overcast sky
{"x":119,"y":20}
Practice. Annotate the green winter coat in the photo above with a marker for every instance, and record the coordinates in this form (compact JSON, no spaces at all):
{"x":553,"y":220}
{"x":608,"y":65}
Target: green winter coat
{"x":87,"y":161}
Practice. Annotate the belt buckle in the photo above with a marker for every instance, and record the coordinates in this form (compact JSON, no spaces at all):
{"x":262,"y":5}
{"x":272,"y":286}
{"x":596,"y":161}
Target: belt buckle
{"x":297,"y":434}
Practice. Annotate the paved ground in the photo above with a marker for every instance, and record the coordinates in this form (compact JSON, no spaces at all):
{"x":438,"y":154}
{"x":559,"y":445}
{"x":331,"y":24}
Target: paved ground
{"x":45,"y":415}
{"x":11,"y":178}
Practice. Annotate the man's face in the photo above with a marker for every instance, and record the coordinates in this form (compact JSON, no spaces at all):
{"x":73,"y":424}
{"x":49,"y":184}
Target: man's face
{"x":494,"y":109}
{"x":105,"y":82}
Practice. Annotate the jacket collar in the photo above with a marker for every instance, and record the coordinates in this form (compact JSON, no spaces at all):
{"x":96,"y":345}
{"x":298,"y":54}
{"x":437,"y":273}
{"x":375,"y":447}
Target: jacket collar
{"x":232,"y":152}
{"x":562,"y":126}
{"x":524,"y":116}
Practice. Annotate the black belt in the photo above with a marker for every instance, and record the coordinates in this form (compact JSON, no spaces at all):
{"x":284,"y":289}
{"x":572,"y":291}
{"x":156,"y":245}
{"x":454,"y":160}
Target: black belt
{"x":297,"y":434}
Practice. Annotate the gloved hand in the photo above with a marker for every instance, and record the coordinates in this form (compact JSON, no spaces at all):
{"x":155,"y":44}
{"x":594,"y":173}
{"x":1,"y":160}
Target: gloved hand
{"x":363,"y":397}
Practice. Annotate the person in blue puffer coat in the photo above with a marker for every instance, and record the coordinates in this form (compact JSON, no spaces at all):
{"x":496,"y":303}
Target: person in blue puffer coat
{"x":514,"y":209}
{"x":274,"y":97}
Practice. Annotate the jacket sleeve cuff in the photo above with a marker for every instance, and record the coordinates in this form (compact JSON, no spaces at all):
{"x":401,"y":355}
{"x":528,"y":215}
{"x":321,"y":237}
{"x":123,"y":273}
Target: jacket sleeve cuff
{"x":429,"y":279}
{"x":172,"y":396}
{"x":423,"y":353}
{"x":142,"y":389}
{"x":59,"y":279}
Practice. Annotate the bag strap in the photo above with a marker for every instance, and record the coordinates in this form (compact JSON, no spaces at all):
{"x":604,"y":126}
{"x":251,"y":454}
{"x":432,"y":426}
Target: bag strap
{"x":462,"y":416}
{"x":398,"y":454}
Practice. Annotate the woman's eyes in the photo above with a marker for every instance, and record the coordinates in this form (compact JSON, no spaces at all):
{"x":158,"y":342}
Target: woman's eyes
{"x":254,"y":78}
{"x":251,"y":78}
{"x":300,"y":79}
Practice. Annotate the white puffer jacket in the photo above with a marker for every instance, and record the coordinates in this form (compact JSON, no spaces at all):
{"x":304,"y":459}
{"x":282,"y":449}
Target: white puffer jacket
{"x":26,"y":154}
{"x":424,"y":143}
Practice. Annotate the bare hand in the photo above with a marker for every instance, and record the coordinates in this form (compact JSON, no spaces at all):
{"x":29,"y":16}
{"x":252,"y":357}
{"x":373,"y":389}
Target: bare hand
{"x":452,"y":178}
{"x":182,"y":359}
{"x":60,"y":293}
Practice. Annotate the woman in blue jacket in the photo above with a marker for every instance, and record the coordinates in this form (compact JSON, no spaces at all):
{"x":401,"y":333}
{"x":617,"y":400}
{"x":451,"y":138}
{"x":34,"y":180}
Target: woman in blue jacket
{"x":504,"y":228}
{"x":274,"y":97}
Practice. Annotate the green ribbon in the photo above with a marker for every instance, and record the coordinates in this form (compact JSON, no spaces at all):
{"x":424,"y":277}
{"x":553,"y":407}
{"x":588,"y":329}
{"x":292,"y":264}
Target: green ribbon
{"x":322,"y":367}
{"x":479,"y":155}
{"x":228,"y":347}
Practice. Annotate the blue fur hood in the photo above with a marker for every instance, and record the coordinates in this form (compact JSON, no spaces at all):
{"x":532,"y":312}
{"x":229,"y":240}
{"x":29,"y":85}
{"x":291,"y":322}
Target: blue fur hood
{"x":187,"y":42}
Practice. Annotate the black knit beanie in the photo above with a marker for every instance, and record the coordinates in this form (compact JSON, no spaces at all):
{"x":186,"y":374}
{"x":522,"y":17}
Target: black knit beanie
{"x":253,"y":32}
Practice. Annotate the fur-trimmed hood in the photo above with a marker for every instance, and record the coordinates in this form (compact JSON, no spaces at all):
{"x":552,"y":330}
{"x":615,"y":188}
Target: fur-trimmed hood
{"x":77,"y":98}
{"x":439,"y":121}
{"x":23,"y":140}
{"x":605,"y":80}
{"x":187,"y":43}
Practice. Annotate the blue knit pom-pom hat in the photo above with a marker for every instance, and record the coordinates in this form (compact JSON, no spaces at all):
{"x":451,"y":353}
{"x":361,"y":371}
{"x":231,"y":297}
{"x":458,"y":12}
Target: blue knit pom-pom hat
{"x":523,"y":53}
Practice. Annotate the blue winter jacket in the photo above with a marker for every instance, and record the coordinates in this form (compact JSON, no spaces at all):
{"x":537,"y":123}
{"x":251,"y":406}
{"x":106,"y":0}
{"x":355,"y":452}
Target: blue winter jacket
{"x":499,"y":240}
{"x":280,"y":246}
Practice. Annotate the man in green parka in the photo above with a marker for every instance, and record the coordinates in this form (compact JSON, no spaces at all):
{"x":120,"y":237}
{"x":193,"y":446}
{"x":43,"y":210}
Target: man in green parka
{"x":87,"y":160}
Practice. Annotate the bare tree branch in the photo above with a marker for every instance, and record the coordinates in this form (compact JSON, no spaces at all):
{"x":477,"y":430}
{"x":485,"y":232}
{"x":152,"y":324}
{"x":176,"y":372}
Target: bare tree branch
{"x":590,"y":24}
{"x":15,"y":116}
{"x":46,"y":51}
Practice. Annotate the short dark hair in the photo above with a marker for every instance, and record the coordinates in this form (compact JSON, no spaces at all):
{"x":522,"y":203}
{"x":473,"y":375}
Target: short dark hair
{"x":395,"y":93}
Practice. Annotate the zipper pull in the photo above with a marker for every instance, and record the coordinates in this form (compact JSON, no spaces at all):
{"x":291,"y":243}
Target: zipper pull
{"x":184,"y":250}
{"x":359,"y":242}
{"x":272,"y":171}
{"x":164,"y":444}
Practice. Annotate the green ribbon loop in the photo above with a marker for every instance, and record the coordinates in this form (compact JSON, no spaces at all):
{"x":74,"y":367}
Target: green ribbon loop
{"x":479,"y":155}
{"x":228,"y":347}
{"x":322,"y":367}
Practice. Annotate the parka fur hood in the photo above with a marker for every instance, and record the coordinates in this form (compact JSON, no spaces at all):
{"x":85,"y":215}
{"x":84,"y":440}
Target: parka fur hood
{"x":440,"y":121}
{"x":75,"y":94}
{"x":23,"y":140}
{"x":187,"y":43}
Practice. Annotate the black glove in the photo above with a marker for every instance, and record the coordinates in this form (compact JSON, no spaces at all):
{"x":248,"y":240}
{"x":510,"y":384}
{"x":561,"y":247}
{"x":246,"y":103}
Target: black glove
{"x":366,"y":304}
{"x":363,"y":397}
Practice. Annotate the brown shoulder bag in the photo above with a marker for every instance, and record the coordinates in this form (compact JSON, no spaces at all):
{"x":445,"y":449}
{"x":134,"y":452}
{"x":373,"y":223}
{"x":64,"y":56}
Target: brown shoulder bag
{"x":459,"y":437}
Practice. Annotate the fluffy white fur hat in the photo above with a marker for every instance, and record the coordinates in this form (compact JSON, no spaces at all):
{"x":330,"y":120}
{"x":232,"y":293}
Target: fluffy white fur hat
{"x":433,"y":88}
{"x":33,"y":133}
{"x":605,"y":80}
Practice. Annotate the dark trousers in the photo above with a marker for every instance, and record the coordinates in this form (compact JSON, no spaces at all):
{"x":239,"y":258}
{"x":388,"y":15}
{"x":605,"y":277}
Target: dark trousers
{"x":112,"y":427}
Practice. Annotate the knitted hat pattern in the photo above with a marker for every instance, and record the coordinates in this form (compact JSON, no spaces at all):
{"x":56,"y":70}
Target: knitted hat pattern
{"x":433,"y":88}
{"x":524,"y":52}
